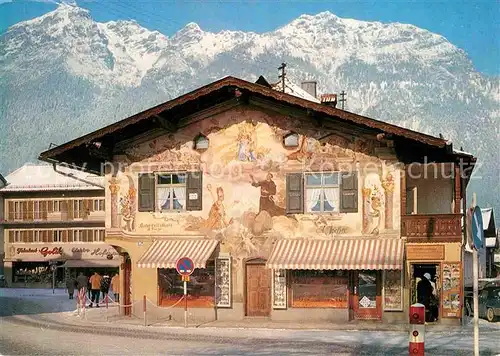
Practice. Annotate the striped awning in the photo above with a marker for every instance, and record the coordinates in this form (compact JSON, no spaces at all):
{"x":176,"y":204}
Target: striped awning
{"x":166,"y":253}
{"x":346,"y":254}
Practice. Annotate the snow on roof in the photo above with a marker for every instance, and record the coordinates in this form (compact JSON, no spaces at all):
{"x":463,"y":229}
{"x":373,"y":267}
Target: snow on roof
{"x":295,"y":90}
{"x":460,"y":152}
{"x":43,"y":177}
{"x":486,"y":214}
{"x":490,"y":242}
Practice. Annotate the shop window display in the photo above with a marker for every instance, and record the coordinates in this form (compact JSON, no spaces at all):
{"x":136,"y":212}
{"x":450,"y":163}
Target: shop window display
{"x":200,"y":288}
{"x":318,"y":289}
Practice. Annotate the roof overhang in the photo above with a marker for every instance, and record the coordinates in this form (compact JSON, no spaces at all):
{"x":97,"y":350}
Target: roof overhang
{"x":91,"y":151}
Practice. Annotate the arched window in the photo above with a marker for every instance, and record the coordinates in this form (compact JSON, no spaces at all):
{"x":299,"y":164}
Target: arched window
{"x":291,"y":140}
{"x":200,"y":142}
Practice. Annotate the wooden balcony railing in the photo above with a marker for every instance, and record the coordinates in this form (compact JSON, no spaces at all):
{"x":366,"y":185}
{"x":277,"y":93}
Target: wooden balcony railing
{"x":432,"y":227}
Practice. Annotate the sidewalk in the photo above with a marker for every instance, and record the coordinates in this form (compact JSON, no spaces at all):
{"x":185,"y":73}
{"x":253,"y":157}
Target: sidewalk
{"x":111,"y":316}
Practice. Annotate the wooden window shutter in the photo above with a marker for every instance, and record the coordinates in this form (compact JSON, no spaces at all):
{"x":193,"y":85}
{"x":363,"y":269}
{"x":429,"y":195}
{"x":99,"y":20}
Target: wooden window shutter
{"x":349,"y":192}
{"x":50,"y":207}
{"x":11,"y":211}
{"x":46,"y":236}
{"x":43,"y":209}
{"x":146,"y":192}
{"x":295,"y":193}
{"x":31,"y":207}
{"x":25,"y":210}
{"x":194,"y":191}
{"x":64,"y":236}
{"x":11,"y":236}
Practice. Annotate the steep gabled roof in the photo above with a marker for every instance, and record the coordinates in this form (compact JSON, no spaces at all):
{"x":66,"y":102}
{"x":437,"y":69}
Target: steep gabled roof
{"x":229,"y":88}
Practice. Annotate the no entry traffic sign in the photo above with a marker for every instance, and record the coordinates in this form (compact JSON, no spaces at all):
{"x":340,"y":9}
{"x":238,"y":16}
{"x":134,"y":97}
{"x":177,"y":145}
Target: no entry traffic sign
{"x":184,"y":266}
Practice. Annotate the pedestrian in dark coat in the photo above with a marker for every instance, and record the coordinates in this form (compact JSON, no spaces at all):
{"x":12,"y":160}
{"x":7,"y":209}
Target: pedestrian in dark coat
{"x":70,"y":286}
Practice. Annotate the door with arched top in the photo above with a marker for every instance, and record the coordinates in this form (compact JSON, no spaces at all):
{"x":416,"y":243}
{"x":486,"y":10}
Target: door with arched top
{"x":258,"y":288}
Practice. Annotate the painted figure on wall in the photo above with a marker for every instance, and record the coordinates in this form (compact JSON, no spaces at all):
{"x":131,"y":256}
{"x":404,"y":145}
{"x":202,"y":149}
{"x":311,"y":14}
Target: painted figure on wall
{"x":217,"y":218}
{"x":267,"y":193}
{"x":373,"y":204}
{"x":246,"y":148}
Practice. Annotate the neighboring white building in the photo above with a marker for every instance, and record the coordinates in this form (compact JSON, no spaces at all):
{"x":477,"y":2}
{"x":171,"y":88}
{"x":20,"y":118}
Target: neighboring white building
{"x":51,"y":215}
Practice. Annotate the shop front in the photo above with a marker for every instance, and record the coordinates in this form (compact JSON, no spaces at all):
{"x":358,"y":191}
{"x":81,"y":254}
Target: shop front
{"x":338,"y":280}
{"x":32,"y":265}
{"x":436,"y":280}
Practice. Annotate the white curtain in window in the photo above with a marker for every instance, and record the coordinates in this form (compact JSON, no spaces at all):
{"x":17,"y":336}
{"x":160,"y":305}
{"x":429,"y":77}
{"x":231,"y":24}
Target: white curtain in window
{"x":163,"y":196}
{"x":180,"y":195}
{"x":332,"y":197}
{"x":313,"y":196}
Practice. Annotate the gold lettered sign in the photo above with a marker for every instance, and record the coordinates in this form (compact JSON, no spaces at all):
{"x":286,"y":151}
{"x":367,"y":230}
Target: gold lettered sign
{"x":425,"y":252}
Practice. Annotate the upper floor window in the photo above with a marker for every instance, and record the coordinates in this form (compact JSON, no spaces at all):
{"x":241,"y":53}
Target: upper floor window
{"x":99,"y":205}
{"x":291,"y":140}
{"x":201,"y":142}
{"x":322,"y":192}
{"x":171,"y":191}
{"x":57,"y":236}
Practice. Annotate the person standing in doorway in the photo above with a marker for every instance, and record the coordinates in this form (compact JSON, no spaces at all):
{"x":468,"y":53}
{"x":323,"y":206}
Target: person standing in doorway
{"x":424,"y":293}
{"x":95,"y":283}
{"x":115,"y":286}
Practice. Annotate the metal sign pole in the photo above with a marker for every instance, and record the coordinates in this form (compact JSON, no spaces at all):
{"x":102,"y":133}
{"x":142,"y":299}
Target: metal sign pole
{"x":475,"y":286}
{"x":53,"y":279}
{"x":185,"y":303}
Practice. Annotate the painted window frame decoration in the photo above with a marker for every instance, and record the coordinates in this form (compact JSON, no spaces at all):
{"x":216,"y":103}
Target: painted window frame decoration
{"x":279,"y":289}
{"x":201,"y":143}
{"x":291,"y":135}
{"x":400,"y":289}
{"x":223,"y":282}
{"x":180,"y":187}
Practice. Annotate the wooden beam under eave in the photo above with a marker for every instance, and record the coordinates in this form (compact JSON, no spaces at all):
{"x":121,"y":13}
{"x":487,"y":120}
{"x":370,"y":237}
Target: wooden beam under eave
{"x":165,"y":123}
{"x":209,"y":112}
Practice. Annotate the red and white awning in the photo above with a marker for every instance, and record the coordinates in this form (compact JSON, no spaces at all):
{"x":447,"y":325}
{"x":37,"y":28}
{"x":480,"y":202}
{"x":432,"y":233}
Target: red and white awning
{"x":166,"y":253}
{"x":338,"y":254}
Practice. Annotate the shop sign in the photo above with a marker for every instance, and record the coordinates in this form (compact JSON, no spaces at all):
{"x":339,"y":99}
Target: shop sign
{"x":43,"y":252}
{"x":432,"y":252}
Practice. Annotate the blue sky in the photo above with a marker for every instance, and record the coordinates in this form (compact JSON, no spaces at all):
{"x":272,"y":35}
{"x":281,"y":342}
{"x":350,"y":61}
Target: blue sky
{"x":472,"y":25}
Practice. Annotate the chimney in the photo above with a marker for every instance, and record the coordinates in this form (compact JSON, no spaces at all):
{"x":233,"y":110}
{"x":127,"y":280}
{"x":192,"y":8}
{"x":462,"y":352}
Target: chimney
{"x":329,"y":99}
{"x":310,"y":87}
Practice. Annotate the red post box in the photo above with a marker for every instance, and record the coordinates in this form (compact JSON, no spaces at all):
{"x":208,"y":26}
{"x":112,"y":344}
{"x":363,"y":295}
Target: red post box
{"x":417,"y":330}
{"x":417,"y":313}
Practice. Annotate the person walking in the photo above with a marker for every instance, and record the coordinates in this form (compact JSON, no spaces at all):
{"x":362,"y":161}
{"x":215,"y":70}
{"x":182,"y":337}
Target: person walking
{"x":105,"y":283}
{"x":82,"y":284}
{"x":115,"y":286}
{"x":70,"y":286}
{"x":95,"y":284}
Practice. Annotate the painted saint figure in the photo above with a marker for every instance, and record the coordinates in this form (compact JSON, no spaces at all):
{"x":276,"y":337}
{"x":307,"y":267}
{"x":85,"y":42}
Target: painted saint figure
{"x":217,"y":215}
{"x":267,"y":192}
{"x":246,"y":150}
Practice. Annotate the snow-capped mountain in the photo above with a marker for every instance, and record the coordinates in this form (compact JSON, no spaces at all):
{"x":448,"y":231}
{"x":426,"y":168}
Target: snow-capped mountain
{"x":64,"y":74}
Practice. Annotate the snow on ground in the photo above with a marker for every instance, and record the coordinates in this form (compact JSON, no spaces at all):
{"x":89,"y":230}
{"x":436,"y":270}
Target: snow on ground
{"x":20,"y":301}
{"x":56,"y":309}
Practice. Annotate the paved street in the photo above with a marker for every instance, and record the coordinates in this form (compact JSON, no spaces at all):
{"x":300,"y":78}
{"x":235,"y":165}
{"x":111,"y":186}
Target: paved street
{"x":36,"y":322}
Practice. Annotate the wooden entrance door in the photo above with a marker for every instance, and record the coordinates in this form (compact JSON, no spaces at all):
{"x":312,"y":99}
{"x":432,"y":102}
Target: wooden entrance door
{"x":258,"y":290}
{"x":366,"y":299}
